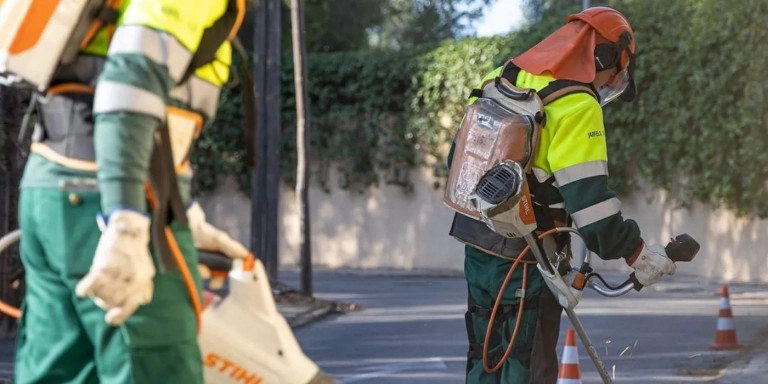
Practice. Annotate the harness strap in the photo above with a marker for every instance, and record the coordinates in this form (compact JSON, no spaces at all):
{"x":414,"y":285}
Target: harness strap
{"x":107,"y":16}
{"x":476,"y":92}
{"x":554,"y":90}
{"x":559,"y":88}
{"x":544,"y":218}
{"x":213,"y":37}
{"x":510,"y":72}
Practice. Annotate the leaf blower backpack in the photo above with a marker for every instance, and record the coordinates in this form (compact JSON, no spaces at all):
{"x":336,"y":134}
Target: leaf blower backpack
{"x":494,"y":151}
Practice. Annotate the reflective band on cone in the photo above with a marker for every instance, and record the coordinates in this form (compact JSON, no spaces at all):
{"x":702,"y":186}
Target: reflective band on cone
{"x":725,"y":337}
{"x":570,"y":373}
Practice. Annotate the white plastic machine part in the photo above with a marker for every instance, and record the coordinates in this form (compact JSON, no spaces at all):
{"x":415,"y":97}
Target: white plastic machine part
{"x":33,"y":35}
{"x":244,"y":339}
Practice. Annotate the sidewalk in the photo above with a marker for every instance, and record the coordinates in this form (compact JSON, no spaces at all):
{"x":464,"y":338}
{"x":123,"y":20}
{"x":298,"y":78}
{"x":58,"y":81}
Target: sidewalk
{"x":300,"y":309}
{"x":751,"y":367}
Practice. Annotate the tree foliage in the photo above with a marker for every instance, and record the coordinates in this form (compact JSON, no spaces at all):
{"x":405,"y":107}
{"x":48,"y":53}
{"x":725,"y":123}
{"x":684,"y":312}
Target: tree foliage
{"x":699,"y":124}
{"x":412,"y":22}
{"x":348,"y":25}
{"x":697,"y":128}
{"x":336,"y":25}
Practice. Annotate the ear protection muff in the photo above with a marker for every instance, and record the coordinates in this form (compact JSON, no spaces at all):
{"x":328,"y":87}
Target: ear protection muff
{"x":608,"y":55}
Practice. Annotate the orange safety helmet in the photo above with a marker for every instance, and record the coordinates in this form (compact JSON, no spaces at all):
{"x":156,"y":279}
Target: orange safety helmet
{"x":614,"y":27}
{"x":578,"y":49}
{"x":619,"y":54}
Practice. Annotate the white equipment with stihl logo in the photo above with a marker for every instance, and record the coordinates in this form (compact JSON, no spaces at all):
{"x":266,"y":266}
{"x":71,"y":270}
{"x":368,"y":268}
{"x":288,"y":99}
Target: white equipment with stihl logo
{"x":503,"y":200}
{"x":36,"y":36}
{"x":244,"y":339}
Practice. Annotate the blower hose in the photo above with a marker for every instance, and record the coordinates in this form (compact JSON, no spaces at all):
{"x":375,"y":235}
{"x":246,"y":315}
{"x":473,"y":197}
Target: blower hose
{"x":520,"y":308}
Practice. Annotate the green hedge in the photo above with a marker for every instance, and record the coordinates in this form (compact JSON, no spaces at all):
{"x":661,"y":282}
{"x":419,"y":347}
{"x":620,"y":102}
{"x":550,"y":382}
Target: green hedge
{"x":699,"y":126}
{"x":696,"y":129}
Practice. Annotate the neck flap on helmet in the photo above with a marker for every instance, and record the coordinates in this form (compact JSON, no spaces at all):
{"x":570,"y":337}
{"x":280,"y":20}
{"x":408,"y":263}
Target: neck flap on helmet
{"x":577,"y":50}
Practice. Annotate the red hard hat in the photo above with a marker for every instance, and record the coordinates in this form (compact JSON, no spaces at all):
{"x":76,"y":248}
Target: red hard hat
{"x":611,"y":25}
{"x":571,"y":52}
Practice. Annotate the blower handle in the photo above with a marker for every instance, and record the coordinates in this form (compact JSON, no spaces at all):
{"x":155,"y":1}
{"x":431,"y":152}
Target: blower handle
{"x":215,"y":261}
{"x":681,"y":248}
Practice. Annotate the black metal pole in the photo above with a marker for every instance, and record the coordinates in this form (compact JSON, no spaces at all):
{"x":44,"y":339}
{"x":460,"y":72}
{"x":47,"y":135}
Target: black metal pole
{"x":265,"y":182}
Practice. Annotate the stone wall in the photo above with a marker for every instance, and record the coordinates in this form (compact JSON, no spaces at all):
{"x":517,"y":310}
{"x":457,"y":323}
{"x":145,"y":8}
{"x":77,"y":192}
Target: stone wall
{"x":386,"y":228}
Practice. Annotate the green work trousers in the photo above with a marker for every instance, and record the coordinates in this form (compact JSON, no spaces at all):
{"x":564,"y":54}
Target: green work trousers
{"x":533,"y":358}
{"x":63,"y":338}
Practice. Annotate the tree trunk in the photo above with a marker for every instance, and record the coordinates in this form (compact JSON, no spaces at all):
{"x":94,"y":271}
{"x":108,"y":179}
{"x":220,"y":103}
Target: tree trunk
{"x":302,"y":144}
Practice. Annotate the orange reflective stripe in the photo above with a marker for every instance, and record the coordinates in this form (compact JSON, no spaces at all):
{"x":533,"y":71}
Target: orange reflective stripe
{"x":38,"y":15}
{"x":70,"y":88}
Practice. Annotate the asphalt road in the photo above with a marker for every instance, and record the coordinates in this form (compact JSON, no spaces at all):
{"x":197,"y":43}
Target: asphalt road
{"x":410,"y":328}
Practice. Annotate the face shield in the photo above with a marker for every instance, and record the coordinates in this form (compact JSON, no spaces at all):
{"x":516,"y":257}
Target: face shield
{"x":621,"y":85}
{"x":614,"y":88}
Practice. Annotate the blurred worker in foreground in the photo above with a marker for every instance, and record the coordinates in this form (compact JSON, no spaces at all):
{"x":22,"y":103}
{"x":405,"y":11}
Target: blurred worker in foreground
{"x":111,"y":274}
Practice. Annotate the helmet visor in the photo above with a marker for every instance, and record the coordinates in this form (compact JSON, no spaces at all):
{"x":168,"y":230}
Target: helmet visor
{"x":615,"y":87}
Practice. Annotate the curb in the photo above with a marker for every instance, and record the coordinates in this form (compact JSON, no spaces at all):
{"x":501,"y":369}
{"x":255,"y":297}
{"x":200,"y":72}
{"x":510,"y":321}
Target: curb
{"x":300,"y":309}
{"x":752,"y":368}
{"x":311,"y":315}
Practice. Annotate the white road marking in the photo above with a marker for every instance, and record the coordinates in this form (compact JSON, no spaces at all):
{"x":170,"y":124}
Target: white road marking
{"x":429,"y":364}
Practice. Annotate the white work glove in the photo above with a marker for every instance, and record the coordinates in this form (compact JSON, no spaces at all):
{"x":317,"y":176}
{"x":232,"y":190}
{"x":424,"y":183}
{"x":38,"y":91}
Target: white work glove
{"x":209,"y":238}
{"x":651,"y":264}
{"x":120,"y":278}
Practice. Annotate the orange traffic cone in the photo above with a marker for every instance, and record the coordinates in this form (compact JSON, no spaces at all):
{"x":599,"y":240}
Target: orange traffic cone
{"x":725,"y":337}
{"x":569,"y":362}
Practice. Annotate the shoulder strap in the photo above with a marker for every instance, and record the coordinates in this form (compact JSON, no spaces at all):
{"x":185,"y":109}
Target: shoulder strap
{"x":213,"y":37}
{"x":106,"y":16}
{"x":510,"y":72}
{"x":553,"y":91}
{"x":538,"y":190}
{"x":559,"y":88}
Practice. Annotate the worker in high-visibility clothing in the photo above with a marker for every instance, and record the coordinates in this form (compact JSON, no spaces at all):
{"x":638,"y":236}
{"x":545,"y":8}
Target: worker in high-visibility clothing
{"x":101,"y":305}
{"x":595,"y":49}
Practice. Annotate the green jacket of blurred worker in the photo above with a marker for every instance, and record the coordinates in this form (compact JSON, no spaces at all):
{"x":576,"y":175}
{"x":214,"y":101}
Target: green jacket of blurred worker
{"x":595,"y":49}
{"x":99,"y":305}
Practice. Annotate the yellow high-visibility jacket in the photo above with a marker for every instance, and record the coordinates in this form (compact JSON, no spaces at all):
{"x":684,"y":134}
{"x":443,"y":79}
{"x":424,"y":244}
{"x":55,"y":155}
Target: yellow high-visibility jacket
{"x":136,"y":78}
